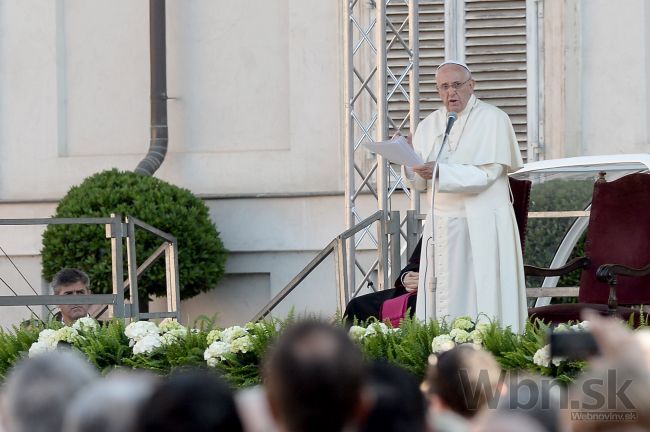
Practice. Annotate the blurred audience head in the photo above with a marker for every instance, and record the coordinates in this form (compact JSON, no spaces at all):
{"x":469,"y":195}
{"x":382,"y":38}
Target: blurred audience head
{"x":39,"y":390}
{"x":110,"y":404}
{"x":463,"y":380}
{"x":610,"y":397}
{"x":534,"y":397}
{"x":314,"y":375}
{"x":397,"y":402}
{"x":194,"y":400}
{"x":190,"y":400}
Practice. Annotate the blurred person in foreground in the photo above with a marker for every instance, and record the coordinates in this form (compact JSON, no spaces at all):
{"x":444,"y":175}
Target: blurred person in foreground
{"x":614,"y":392}
{"x":314,"y":376}
{"x":109,"y":404}
{"x":38,"y":390}
{"x":397,"y":404}
{"x":460,"y":383}
{"x":194,"y":400}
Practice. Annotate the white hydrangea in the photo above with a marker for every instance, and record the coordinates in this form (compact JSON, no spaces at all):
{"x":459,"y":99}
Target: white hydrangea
{"x":462,"y":323}
{"x":542,"y":356}
{"x":476,"y":336}
{"x":562,"y":328}
{"x":216,"y":352}
{"x":147,"y":344}
{"x":442,"y":343}
{"x":49,"y":337}
{"x":86,"y":324}
{"x":231,"y":333}
{"x":213,"y":336}
{"x":357,"y":332}
{"x":241,"y":345}
{"x":558,"y":360}
{"x":255,"y":326}
{"x":459,"y":336}
{"x":483,"y":327}
{"x":169,"y":338}
{"x":170,"y":325}
{"x":39,"y":348}
{"x":67,"y":334}
{"x":376,"y":328}
{"x":140,"y":329}
{"x":581,"y":326}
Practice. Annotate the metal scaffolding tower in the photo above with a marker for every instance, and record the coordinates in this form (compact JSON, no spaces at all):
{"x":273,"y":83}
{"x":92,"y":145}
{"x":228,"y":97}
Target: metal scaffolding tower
{"x":381,"y":64}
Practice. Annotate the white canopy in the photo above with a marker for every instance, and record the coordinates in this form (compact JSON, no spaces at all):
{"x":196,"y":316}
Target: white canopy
{"x":584,"y":167}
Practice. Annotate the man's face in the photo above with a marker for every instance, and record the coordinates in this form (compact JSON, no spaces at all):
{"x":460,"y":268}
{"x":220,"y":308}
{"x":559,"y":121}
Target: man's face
{"x":71,"y":313}
{"x":451,"y":75}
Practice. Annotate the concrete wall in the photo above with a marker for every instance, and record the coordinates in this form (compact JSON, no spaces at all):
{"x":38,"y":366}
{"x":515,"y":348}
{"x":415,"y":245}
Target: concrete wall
{"x":256,"y":108}
{"x":596,"y":77}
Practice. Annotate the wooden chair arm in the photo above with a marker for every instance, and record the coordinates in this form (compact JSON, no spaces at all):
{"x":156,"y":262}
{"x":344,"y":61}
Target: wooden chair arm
{"x":574,"y":264}
{"x":608,"y":272}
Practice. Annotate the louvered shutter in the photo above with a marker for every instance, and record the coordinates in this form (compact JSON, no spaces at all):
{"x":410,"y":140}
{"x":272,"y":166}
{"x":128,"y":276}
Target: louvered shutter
{"x":431,"y":15}
{"x":495,"y":51}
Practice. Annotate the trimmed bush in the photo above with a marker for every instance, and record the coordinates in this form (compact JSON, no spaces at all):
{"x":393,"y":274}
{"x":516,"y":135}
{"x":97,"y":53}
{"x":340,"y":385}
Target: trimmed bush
{"x":201,"y":254}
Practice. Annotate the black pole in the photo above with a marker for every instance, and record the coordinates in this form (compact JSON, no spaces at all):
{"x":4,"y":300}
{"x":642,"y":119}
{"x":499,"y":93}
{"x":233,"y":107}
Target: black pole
{"x":158,"y":72}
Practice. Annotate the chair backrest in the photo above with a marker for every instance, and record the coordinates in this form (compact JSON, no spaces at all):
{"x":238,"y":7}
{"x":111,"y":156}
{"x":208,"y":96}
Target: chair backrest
{"x":520,"y":203}
{"x":618,"y":233}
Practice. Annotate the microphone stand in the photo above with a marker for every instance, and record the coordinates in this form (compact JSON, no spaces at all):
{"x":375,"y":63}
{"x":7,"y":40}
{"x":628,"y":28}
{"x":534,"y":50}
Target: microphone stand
{"x":432,"y":283}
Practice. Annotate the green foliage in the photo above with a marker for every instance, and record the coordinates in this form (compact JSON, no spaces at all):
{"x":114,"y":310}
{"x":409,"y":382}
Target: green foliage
{"x":201,"y":254}
{"x":410,"y":346}
{"x":14,"y":345}
{"x":544,"y":236}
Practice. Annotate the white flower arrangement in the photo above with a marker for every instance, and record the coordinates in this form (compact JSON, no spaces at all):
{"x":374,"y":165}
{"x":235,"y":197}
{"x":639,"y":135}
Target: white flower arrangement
{"x":138,"y":330}
{"x":357,"y":332}
{"x":442,"y":343}
{"x":459,"y":336}
{"x":147,"y":344}
{"x":542,"y":356}
{"x":229,"y":334}
{"x":216,"y":352}
{"x":86,"y":324}
{"x":49,"y":339}
{"x":231,"y":340}
{"x":172,"y":326}
{"x":145,"y":336}
{"x":463,"y":323}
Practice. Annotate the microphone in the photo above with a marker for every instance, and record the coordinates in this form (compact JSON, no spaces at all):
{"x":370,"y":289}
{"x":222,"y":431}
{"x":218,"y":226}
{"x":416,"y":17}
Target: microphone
{"x":451,"y":118}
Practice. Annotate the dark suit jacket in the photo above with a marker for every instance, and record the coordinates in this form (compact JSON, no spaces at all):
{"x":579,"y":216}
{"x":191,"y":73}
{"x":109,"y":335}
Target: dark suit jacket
{"x":369,"y":305}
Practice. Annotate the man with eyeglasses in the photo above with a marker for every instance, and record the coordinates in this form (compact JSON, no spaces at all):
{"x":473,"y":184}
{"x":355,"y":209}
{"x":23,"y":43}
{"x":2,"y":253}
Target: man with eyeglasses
{"x":478,"y":262}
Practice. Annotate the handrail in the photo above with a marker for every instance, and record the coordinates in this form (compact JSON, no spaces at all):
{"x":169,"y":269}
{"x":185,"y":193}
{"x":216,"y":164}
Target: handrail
{"x":117,"y":231}
{"x":338,"y":243}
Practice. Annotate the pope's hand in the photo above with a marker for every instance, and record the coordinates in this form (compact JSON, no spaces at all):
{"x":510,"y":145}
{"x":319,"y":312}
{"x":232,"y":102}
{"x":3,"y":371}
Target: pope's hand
{"x":425,"y":171}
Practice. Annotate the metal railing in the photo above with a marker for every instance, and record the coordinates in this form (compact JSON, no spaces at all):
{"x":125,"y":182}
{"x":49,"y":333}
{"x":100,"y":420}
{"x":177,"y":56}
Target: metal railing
{"x":119,"y":232}
{"x":388,"y":227}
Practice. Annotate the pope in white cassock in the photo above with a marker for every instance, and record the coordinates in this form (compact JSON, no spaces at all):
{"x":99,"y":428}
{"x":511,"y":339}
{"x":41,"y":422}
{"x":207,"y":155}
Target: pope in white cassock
{"x":478,"y":262}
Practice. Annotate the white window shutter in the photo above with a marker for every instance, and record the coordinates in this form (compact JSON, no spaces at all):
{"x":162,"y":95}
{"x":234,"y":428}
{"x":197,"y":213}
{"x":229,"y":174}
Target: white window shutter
{"x":495,"y":51}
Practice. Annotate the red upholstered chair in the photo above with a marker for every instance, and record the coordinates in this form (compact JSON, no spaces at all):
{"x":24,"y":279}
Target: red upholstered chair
{"x":616,"y":269}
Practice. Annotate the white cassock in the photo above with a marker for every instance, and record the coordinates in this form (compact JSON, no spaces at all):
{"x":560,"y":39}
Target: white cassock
{"x":478,"y":262}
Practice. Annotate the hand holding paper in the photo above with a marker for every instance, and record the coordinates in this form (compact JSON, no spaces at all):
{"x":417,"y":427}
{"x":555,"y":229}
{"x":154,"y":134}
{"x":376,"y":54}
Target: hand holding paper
{"x":396,"y":150}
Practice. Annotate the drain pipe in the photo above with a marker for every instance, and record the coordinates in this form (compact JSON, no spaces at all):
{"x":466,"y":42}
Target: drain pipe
{"x":158,"y":72}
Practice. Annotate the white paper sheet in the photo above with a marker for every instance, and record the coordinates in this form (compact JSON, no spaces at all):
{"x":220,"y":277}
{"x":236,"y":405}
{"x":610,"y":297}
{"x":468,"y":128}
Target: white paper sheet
{"x":396,"y":150}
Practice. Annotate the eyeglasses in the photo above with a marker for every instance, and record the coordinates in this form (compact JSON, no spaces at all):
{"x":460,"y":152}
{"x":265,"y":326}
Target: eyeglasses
{"x":455,"y":85}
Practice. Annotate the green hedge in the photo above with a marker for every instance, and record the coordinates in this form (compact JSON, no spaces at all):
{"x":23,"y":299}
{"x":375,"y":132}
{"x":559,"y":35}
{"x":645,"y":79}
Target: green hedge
{"x":201,"y":254}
